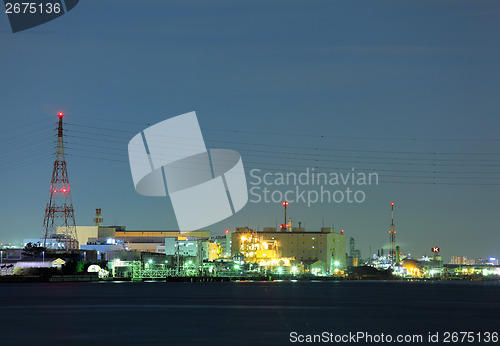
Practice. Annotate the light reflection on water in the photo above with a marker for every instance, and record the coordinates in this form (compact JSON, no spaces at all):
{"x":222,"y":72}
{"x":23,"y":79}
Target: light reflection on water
{"x":240,"y":313}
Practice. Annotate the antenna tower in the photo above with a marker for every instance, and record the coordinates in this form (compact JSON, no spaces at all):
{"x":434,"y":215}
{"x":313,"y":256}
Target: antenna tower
{"x":59,"y":227}
{"x":392,"y":234}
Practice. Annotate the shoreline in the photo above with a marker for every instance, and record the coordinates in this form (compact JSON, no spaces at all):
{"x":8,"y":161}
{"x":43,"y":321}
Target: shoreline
{"x":94,"y":278}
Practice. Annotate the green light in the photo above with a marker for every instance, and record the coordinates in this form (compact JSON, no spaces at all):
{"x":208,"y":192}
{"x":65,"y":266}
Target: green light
{"x":236,"y":266}
{"x":190,"y":262}
{"x":336,"y":263}
{"x":150,"y":261}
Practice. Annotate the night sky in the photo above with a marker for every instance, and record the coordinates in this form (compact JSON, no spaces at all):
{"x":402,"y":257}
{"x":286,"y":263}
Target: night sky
{"x":407,"y":89}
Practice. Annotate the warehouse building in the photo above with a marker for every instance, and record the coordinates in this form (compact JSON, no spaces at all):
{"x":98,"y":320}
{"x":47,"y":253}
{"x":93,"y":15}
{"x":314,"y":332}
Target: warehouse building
{"x":145,"y":241}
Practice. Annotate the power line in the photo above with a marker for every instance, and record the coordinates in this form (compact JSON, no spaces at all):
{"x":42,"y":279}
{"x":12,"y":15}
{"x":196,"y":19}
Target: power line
{"x":296,"y":171}
{"x":281,"y":146}
{"x":277,"y":134}
{"x":433,"y":176}
{"x":283,"y":156}
{"x":433,"y":164}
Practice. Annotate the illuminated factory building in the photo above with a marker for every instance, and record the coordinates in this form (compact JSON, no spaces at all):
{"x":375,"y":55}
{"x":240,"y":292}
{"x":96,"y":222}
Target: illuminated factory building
{"x":325,"y":249}
{"x":266,"y":253}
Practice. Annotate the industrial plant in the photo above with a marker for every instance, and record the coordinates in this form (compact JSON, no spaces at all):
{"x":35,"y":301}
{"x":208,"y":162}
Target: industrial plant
{"x":66,"y":251}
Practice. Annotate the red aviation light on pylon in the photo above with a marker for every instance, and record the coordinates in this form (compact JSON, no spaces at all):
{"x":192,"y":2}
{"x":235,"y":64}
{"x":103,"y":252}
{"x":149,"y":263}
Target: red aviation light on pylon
{"x":60,"y":114}
{"x":392,"y":204}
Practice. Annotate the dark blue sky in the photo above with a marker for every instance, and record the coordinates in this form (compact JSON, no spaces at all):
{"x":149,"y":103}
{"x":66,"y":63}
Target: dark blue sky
{"x":406,"y":89}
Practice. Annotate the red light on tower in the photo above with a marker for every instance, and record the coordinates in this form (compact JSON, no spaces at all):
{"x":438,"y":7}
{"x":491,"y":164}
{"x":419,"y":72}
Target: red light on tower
{"x":285,"y":203}
{"x":60,"y":115}
{"x":227,"y":231}
{"x":342,"y":232}
{"x":392,"y":204}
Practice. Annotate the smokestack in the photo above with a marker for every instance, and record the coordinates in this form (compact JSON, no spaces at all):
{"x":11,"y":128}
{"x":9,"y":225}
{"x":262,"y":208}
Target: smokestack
{"x":98,"y":217}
